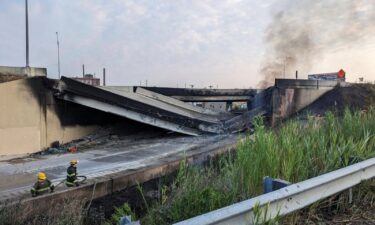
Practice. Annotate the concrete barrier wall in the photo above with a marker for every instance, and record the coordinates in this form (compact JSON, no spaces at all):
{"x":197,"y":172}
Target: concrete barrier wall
{"x":31,"y":71}
{"x":308,"y":84}
{"x":29,"y":118}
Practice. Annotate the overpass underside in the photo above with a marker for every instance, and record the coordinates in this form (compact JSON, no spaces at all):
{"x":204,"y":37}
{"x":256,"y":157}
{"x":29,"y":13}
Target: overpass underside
{"x":207,"y":95}
{"x":152,"y":108}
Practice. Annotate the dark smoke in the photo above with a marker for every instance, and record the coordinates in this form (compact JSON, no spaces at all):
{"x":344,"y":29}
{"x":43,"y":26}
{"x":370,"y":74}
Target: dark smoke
{"x":306,"y":30}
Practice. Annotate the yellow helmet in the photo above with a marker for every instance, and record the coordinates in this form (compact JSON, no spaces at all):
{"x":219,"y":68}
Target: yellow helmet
{"x":73,"y":162}
{"x":42,"y":176}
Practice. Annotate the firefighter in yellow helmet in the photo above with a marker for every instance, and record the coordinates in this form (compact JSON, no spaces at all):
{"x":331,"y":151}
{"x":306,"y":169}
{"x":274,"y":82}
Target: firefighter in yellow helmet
{"x":42,"y":186}
{"x":71,"y":177}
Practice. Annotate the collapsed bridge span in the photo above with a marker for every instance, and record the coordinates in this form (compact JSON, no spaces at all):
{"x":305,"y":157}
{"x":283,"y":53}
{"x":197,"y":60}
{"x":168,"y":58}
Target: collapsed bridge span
{"x":144,"y":106}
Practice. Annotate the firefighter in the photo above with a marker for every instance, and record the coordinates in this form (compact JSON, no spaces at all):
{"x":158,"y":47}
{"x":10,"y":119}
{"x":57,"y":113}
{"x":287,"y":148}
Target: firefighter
{"x":71,"y":177}
{"x":42,"y":186}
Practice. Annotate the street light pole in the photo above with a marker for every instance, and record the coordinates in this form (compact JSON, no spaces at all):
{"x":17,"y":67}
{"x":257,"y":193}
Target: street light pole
{"x":58,"y":53}
{"x":27,"y":33}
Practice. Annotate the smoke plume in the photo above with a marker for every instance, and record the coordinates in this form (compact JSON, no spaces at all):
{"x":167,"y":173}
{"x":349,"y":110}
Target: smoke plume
{"x":306,"y":30}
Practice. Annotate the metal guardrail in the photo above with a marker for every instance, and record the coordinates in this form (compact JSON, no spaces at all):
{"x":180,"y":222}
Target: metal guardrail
{"x":290,"y":198}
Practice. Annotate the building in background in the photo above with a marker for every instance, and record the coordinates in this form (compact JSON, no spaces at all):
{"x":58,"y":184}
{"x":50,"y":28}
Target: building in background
{"x":328,"y":76}
{"x":216,"y":106}
{"x":88,"y":79}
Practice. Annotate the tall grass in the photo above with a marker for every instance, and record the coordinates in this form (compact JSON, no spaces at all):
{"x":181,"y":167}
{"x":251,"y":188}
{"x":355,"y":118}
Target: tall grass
{"x":299,"y":151}
{"x":296,"y":151}
{"x":65,"y":212}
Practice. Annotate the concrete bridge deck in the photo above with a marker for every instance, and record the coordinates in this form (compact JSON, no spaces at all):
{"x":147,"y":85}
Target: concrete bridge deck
{"x":206,"y":95}
{"x":148,"y":108}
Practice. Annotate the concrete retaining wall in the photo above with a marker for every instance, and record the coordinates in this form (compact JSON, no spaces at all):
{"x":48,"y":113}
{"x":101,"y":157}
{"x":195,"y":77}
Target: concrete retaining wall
{"x":31,"y":119}
{"x":290,"y":96}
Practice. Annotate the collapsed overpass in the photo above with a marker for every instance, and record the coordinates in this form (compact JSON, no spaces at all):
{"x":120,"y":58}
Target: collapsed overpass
{"x":116,"y":165}
{"x":37,"y":111}
{"x":155,"y":109}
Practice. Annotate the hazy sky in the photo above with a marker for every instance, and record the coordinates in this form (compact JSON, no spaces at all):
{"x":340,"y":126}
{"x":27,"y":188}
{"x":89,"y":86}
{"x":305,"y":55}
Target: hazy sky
{"x":167,"y":42}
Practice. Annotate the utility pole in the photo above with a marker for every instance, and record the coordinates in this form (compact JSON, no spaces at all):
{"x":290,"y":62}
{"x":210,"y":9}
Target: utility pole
{"x":103,"y":76}
{"x":58,"y":54}
{"x":27,"y":33}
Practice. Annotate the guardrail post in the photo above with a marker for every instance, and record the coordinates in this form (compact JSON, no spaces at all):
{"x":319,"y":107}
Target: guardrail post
{"x":267,"y":184}
{"x":270,"y":184}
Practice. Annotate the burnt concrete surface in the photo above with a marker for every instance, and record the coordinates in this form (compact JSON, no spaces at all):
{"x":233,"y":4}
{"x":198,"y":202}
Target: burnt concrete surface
{"x":291,"y":96}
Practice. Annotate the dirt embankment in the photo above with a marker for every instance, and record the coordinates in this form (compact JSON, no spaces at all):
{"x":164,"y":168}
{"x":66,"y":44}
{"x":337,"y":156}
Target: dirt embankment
{"x":354,"y":97}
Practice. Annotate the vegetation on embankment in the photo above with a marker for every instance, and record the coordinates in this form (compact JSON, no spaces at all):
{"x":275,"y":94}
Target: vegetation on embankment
{"x":65,"y":212}
{"x":294,"y":152}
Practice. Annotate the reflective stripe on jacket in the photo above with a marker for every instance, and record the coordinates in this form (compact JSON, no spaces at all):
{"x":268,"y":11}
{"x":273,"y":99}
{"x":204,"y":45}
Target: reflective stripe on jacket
{"x":41,"y":187}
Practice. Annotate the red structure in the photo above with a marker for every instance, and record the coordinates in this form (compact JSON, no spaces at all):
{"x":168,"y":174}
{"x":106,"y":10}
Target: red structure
{"x":341,"y":74}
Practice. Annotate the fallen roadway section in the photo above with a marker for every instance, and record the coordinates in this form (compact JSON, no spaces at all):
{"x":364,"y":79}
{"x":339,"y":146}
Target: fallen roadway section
{"x":288,"y":199}
{"x":143,"y":106}
{"x":110,"y":168}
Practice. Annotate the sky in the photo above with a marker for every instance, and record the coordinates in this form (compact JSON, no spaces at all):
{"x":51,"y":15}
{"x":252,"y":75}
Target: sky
{"x":166,"y":42}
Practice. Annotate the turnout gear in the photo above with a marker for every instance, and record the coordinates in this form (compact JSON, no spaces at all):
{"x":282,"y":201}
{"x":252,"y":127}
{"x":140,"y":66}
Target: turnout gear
{"x":42,"y":186}
{"x":71,"y":177}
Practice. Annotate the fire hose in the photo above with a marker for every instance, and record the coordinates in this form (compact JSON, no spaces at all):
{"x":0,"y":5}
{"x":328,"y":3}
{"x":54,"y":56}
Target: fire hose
{"x":81,"y":181}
